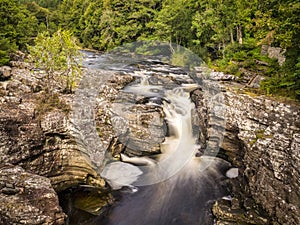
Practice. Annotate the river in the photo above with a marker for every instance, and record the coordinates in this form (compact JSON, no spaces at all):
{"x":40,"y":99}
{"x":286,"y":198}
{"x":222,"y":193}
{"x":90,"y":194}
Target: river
{"x":179,"y":185}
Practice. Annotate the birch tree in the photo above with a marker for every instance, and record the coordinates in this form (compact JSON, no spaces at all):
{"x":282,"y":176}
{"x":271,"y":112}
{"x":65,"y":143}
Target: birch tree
{"x":59,"y":56}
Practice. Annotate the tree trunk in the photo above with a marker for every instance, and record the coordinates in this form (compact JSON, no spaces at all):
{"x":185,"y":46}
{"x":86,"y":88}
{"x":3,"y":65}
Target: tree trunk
{"x":231,"y":36}
{"x":223,"y":49}
{"x":47,"y":23}
{"x":171,"y":47}
{"x":239,"y":34}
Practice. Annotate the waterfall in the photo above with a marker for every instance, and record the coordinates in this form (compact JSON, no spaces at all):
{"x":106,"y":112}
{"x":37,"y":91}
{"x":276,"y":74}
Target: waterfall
{"x":176,"y":189}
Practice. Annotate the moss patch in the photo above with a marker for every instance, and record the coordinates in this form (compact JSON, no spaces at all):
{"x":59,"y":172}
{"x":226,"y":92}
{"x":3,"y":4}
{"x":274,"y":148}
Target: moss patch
{"x":259,"y":134}
{"x":49,"y":102}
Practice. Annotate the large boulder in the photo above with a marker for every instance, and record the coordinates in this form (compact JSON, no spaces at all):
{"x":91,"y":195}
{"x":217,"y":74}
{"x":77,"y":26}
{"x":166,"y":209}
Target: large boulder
{"x":5,"y":72}
{"x":27,"y":198}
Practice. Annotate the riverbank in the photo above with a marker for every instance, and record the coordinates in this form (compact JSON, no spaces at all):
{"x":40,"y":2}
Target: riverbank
{"x":261,"y":139}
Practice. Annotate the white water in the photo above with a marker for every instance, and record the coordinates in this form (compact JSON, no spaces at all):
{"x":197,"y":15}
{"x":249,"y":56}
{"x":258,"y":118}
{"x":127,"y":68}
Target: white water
{"x":177,"y":149}
{"x":178,"y":188}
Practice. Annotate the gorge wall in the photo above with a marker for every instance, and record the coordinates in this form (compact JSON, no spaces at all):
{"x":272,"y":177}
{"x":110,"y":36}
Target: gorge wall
{"x":270,"y":132}
{"x":263,"y":140}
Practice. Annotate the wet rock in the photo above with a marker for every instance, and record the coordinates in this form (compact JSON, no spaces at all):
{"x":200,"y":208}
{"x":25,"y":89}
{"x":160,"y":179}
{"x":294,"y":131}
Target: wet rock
{"x":232,"y":173}
{"x":27,"y":198}
{"x":144,"y":130}
{"x":211,"y":121}
{"x":108,"y":94}
{"x":226,"y":214}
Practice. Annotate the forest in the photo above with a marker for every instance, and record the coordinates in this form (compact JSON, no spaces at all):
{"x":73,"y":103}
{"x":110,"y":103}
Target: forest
{"x":227,"y":34}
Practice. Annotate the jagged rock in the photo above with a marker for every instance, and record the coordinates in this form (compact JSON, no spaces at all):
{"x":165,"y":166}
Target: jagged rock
{"x":43,"y":144}
{"x":66,"y":164}
{"x":268,"y":132}
{"x":220,"y":76}
{"x":211,"y":121}
{"x":5,"y":72}
{"x":107,"y":95}
{"x":274,"y":52}
{"x":143,"y":128}
{"x":27,"y":198}
{"x":19,"y":56}
{"x":261,"y":138}
{"x":223,"y":210}
{"x":21,"y":65}
{"x":233,"y":145}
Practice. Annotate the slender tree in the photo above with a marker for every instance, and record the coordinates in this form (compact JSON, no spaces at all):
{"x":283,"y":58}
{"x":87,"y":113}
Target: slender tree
{"x":58,"y":55}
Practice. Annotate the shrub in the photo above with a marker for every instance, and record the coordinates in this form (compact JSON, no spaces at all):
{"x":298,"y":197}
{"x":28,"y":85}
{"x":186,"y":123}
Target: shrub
{"x":49,"y":102}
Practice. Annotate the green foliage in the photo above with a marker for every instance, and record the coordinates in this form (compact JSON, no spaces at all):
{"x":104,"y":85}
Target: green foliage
{"x":90,"y":25}
{"x":46,"y":20}
{"x":228,"y":34}
{"x":17,"y":27}
{"x":6,"y":47}
{"x":58,"y":56}
{"x":277,"y":22}
{"x":184,"y":58}
{"x":286,"y":80}
{"x":106,"y":24}
{"x":126,"y":21}
{"x":52,"y":4}
{"x":70,"y":13}
{"x":226,"y":66}
{"x":173,"y":22}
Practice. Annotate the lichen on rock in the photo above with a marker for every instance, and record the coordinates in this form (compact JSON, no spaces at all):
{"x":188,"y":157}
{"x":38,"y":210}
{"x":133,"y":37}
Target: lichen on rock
{"x":27,"y":198}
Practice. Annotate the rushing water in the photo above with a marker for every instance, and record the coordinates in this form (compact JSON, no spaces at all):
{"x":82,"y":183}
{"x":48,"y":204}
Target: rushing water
{"x":177,"y":187}
{"x":181,"y":186}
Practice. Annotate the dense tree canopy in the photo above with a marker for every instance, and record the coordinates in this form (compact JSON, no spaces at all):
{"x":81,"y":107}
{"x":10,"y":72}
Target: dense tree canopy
{"x":226,"y":33}
{"x":17,"y":27}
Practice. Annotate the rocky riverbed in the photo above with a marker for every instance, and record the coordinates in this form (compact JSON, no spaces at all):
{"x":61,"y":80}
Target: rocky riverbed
{"x":42,"y":158}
